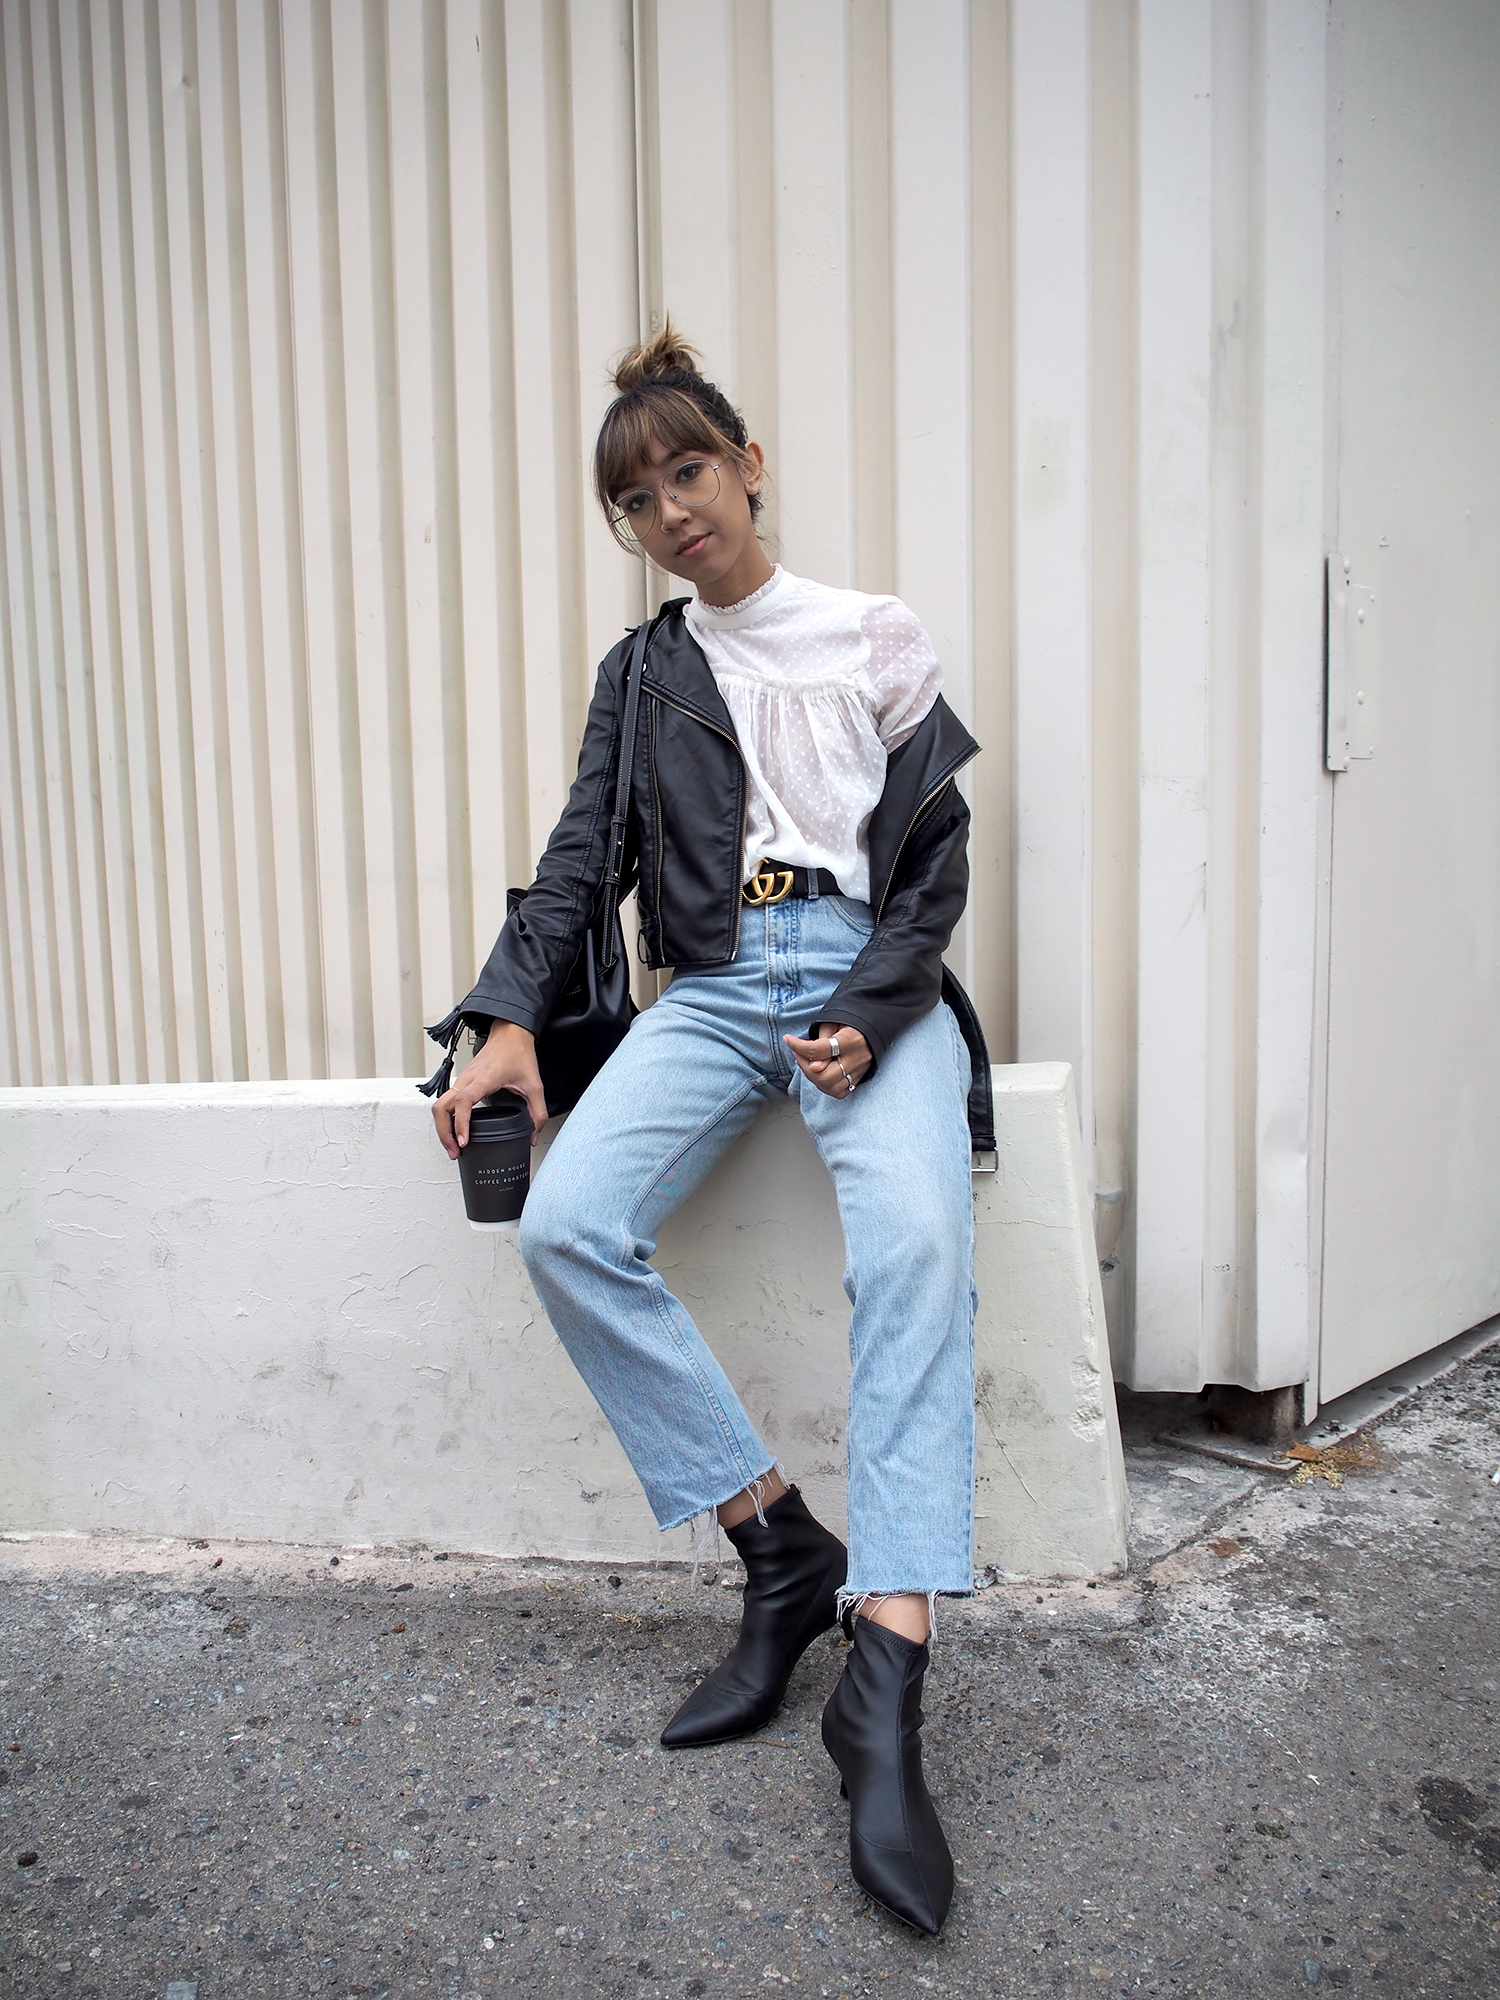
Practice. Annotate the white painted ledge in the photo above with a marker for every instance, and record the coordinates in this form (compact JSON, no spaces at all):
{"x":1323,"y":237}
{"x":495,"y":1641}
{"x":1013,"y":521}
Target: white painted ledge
{"x":257,"y":1311}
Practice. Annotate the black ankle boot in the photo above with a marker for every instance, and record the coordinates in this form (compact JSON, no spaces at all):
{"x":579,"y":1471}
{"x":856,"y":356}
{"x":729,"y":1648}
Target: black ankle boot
{"x":871,"y":1731}
{"x":793,"y":1569}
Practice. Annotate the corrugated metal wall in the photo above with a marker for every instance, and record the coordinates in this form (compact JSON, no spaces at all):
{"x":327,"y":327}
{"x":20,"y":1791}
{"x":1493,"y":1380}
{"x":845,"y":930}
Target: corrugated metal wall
{"x":305,"y":310}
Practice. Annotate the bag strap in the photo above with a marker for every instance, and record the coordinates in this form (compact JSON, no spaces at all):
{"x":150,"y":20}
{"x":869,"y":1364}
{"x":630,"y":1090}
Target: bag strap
{"x":981,"y":1089}
{"x":615,"y":864}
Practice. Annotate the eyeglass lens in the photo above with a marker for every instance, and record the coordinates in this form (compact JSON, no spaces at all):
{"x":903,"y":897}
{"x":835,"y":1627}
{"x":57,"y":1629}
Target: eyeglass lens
{"x":695,"y":483}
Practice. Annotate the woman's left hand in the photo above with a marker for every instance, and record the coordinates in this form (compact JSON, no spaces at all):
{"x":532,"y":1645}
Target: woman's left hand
{"x":836,"y":1061}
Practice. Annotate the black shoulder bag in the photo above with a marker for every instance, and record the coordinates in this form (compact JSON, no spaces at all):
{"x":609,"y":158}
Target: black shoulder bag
{"x":593,"y":1011}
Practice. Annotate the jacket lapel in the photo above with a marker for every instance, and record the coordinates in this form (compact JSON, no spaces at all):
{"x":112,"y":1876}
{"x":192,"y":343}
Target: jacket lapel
{"x":676,"y":667}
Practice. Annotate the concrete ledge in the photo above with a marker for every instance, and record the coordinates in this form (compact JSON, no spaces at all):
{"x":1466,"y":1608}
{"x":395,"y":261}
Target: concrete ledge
{"x":256,"y":1310}
{"x":1050,"y":1496}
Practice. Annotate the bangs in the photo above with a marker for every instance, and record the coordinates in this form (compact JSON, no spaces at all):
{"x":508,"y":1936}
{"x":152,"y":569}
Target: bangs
{"x":651,"y":416}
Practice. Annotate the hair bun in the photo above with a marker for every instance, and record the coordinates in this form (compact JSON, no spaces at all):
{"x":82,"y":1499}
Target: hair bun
{"x":664,"y":355}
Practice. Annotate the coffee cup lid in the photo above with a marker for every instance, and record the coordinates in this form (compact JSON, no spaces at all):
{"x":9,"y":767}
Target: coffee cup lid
{"x":503,"y":1112}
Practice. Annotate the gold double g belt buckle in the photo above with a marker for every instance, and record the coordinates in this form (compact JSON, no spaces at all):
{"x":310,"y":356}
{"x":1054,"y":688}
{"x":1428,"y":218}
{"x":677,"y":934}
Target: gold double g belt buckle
{"x":766,"y":885}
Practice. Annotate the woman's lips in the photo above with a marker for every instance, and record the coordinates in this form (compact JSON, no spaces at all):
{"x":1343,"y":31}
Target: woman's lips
{"x":691,"y":548}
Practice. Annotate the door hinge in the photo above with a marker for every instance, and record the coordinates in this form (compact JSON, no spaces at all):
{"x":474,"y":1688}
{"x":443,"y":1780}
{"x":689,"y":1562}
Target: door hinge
{"x":1349,"y":666}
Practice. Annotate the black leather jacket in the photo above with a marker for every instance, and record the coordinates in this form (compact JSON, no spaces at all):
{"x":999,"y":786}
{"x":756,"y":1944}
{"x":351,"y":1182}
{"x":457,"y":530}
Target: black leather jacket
{"x":685,"y":853}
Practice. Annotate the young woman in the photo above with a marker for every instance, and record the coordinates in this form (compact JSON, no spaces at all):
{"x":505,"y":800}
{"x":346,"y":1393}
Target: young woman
{"x":799,"y":851}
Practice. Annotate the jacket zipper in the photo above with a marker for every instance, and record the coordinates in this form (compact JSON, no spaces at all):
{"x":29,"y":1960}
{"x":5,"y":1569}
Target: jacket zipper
{"x":656,"y":803}
{"x":912,"y":824}
{"x":733,"y":741}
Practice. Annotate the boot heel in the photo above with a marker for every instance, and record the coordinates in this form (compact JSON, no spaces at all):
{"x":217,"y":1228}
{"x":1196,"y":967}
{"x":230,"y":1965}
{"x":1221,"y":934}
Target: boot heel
{"x":843,"y":1789}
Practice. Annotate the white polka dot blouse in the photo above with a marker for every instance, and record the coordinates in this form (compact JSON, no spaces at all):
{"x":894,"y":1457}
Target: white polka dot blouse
{"x":821,"y":684}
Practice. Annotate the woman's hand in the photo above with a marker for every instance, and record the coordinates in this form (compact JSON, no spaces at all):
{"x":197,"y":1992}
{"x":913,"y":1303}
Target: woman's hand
{"x":507,"y":1061}
{"x":836,"y":1061}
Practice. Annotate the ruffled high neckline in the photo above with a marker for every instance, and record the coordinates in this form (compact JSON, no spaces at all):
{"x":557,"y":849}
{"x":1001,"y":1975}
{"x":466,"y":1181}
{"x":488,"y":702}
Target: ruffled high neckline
{"x":725,"y":617}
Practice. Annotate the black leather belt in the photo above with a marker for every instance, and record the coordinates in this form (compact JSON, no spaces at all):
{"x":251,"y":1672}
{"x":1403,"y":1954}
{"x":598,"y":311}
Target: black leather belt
{"x":774,"y":881}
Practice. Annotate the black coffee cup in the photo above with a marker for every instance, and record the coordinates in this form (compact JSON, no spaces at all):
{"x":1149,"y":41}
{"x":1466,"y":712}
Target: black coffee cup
{"x":495,"y":1166}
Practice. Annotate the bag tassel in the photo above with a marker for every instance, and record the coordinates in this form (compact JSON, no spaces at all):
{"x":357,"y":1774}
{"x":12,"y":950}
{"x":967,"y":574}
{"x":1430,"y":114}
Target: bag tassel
{"x":446,"y":1035}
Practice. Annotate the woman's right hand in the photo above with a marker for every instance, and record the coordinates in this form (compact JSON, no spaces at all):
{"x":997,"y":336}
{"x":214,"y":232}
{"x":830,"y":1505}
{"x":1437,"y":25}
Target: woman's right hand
{"x":507,"y":1061}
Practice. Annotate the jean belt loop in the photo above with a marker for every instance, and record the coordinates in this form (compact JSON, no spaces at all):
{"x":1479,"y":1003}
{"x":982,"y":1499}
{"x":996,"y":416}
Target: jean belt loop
{"x":813,"y":891}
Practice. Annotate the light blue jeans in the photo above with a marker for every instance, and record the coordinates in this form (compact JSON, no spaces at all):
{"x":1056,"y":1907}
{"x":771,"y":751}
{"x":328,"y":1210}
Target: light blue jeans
{"x":691,"y":1075}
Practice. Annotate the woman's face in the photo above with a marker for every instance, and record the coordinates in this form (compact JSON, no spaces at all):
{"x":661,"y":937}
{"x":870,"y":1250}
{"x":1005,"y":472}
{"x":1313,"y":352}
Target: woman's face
{"x":702,"y":542}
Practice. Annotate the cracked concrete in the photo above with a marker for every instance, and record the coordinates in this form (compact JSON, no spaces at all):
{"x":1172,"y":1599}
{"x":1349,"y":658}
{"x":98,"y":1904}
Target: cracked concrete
{"x":1265,"y":1761}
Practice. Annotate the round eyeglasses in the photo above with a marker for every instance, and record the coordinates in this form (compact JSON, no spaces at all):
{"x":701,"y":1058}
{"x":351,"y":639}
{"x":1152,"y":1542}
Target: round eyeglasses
{"x":695,"y":483}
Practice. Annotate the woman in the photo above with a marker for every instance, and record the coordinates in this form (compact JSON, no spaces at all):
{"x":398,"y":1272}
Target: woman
{"x":799,"y":850}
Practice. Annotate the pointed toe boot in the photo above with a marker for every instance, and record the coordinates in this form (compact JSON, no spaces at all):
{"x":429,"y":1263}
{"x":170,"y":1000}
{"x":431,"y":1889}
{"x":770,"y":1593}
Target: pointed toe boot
{"x":872,"y":1731}
{"x":794,"y":1570}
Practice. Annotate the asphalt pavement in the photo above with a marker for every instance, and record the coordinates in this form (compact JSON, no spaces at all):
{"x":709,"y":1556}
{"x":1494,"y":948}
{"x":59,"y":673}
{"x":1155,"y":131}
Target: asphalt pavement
{"x":1264,"y":1762}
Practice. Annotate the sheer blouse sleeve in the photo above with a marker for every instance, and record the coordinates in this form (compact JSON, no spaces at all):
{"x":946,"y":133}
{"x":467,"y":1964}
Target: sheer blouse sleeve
{"x":905,"y":676}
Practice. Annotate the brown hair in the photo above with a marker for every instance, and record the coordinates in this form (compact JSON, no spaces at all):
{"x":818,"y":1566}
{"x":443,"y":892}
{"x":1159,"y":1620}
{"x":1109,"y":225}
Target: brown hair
{"x":663,"y":400}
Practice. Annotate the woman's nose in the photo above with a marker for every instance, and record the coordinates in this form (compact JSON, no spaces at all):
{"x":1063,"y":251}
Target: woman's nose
{"x":672,"y":511}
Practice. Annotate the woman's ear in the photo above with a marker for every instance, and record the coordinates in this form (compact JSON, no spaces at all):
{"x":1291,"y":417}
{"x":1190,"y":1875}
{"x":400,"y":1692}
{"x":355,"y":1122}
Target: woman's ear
{"x":753,"y":476}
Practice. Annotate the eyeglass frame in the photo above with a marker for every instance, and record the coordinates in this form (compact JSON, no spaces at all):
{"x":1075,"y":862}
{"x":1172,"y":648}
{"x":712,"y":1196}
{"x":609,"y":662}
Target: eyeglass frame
{"x":629,"y":540}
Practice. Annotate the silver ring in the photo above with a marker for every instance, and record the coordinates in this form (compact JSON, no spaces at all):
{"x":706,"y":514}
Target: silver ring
{"x":833,"y":1048}
{"x":846,"y":1076}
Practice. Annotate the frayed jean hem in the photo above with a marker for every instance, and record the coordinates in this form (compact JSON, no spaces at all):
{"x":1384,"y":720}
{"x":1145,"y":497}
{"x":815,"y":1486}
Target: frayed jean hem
{"x":711,"y":1507}
{"x":851,"y":1603}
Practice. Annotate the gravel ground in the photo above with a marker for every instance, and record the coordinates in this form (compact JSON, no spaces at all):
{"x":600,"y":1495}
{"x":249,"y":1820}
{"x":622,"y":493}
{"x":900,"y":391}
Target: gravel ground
{"x":1267,"y":1760}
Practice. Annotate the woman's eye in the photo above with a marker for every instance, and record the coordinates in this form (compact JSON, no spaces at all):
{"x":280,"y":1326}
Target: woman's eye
{"x":687,"y":474}
{"x":635,"y":503}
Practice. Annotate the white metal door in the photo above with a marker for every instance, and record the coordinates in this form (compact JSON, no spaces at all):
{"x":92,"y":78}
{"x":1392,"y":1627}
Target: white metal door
{"x":1412,"y":1168}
